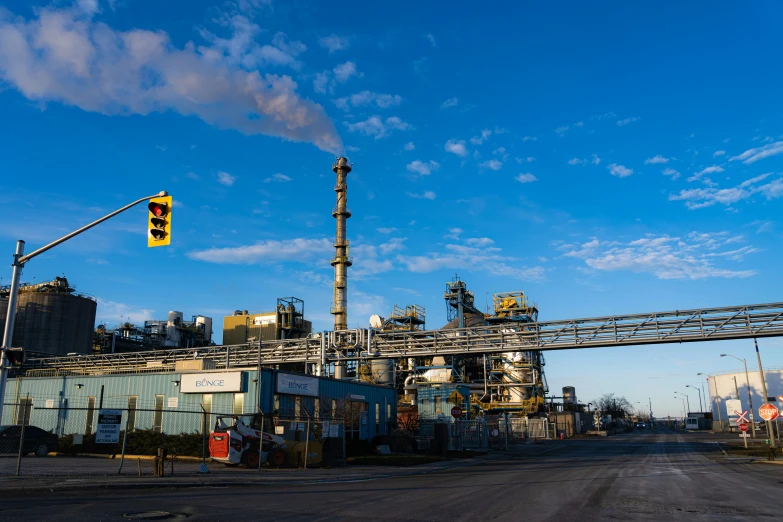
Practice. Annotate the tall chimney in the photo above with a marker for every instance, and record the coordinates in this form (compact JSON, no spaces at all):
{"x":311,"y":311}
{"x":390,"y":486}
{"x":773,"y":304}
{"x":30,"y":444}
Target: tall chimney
{"x":341,"y":261}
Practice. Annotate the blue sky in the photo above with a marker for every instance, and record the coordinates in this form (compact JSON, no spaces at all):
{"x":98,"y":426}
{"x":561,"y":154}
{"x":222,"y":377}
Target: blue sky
{"x":606,"y":159}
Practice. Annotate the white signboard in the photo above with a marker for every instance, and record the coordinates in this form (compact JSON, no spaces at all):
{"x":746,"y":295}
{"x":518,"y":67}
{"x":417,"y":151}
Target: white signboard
{"x":733,"y":405}
{"x":265,"y":320}
{"x":334,"y":430}
{"x":173,"y":402}
{"x":108,"y":431}
{"x":297,"y":384}
{"x":217,"y":382}
{"x":279,"y":430}
{"x":50,"y":403}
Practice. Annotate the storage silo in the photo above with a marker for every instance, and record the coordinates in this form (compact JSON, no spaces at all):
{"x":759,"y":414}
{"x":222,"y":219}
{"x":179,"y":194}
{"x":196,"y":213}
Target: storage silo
{"x":54,"y":322}
{"x":569,"y":395}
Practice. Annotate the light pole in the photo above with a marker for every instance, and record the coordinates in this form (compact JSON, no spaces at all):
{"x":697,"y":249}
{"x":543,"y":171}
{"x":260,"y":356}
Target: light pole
{"x":770,"y":433}
{"x":687,"y":399}
{"x":750,"y":397}
{"x":701,"y":406}
{"x":717,"y":398}
{"x":19,"y":261}
{"x":683,"y":409}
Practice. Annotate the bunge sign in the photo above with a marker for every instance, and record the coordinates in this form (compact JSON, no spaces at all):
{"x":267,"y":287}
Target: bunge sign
{"x":218,"y":382}
{"x":297,"y":384}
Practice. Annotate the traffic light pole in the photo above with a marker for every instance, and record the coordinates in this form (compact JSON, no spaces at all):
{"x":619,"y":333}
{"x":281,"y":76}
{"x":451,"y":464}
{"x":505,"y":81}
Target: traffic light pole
{"x":19,"y":261}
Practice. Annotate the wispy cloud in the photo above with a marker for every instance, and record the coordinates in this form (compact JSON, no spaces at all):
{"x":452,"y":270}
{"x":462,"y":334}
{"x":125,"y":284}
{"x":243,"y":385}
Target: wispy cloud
{"x":529,"y":138}
{"x":224,"y":178}
{"x":409,"y":146}
{"x":328,"y":80}
{"x":626,"y":121}
{"x":595,"y":160}
{"x":365,"y":98}
{"x":707,"y":197}
{"x":526,"y":178}
{"x":431,"y":39}
{"x":655,"y":160}
{"x":334,"y":43}
{"x":492,"y":164}
{"x":377,"y":127}
{"x":718,"y":153}
{"x":759,"y":153}
{"x":280,"y":178}
{"x":114,"y":312}
{"x":563,"y":129}
{"x":266,"y":252}
{"x":423,"y":168}
{"x":715,"y":169}
{"x":671,"y":172}
{"x":428,"y":194}
{"x":620,"y":171}
{"x":665,"y":257}
{"x":451,"y":102}
{"x":457,"y":147}
{"x":478,"y":140}
{"x":386,"y":230}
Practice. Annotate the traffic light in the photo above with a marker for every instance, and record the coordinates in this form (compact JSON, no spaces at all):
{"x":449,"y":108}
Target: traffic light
{"x":159,"y":222}
{"x":15,"y":356}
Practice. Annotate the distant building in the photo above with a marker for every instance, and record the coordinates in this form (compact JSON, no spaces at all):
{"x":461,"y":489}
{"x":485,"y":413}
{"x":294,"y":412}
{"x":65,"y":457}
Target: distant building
{"x":285,"y":322}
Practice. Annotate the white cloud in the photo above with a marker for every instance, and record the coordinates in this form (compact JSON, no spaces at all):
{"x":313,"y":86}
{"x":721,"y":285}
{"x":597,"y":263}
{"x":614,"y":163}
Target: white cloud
{"x":758,"y":153}
{"x":344,"y":71}
{"x":706,"y":197}
{"x":595,"y":160}
{"x":479,"y":242}
{"x":718,"y":153}
{"x":619,"y":170}
{"x":431,"y":38}
{"x":561,"y":131}
{"x":364,"y":98}
{"x":375,"y":126}
{"x":671,"y":172}
{"x":529,"y":138}
{"x":454,"y":233}
{"x":451,"y":102}
{"x":478,"y":140}
{"x":626,"y":121}
{"x":62,"y":56}
{"x":423,"y":168}
{"x":428,"y":194}
{"x":529,"y":159}
{"x":665,"y":257}
{"x":386,"y":230}
{"x":457,"y":147}
{"x":492,"y":164}
{"x":277,"y":178}
{"x":709,"y":170}
{"x":224,"y":178}
{"x":656,"y":160}
{"x":392,"y":245}
{"x":526,"y":178}
{"x":265,"y":252}
{"x":334,"y":43}
{"x":409,"y":146}
{"x":111,"y":311}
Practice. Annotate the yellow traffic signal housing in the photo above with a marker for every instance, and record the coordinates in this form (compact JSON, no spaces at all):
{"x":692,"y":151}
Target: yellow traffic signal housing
{"x":159,"y":222}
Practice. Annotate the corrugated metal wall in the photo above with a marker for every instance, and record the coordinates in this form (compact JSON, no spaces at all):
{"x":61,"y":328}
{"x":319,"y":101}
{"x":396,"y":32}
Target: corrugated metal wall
{"x":50,"y":393}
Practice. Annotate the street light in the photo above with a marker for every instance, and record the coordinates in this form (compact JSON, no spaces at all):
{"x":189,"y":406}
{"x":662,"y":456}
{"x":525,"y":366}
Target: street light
{"x":701,"y":406}
{"x":717,"y":398}
{"x":683,"y":409}
{"x":750,"y":397}
{"x":687,"y":399}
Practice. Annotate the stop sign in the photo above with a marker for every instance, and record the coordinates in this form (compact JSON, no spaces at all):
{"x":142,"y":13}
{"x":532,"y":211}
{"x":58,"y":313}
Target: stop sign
{"x":456,"y":412}
{"x":768,"y":412}
{"x":743,"y":427}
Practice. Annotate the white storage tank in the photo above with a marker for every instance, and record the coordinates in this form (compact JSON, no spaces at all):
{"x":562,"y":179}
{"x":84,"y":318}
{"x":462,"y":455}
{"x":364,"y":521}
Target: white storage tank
{"x":175,"y":318}
{"x":206,"y":324}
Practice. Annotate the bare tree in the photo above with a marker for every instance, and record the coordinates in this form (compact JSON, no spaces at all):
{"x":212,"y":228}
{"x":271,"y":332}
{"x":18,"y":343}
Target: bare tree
{"x":611,"y":404}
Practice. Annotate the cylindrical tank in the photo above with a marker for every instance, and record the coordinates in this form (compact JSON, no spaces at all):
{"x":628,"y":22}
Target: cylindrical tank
{"x":383,"y":371}
{"x":206,"y":324}
{"x":53,"y":323}
{"x":569,"y":395}
{"x":175,"y":318}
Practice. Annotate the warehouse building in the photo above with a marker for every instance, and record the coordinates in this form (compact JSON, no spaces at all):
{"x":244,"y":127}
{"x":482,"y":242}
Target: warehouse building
{"x":172,"y":402}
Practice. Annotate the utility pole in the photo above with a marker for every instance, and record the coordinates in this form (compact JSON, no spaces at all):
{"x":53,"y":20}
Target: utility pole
{"x":750,"y":396}
{"x":770,"y":432}
{"x":19,"y":262}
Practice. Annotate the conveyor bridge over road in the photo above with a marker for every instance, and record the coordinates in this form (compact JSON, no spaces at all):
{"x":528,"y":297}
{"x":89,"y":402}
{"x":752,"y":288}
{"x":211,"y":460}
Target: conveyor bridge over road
{"x":707,"y":324}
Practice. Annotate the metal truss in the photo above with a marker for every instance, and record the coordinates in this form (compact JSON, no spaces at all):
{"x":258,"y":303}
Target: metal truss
{"x":680,"y":326}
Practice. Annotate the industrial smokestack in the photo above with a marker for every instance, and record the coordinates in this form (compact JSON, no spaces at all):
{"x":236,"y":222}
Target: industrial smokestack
{"x":341,"y":261}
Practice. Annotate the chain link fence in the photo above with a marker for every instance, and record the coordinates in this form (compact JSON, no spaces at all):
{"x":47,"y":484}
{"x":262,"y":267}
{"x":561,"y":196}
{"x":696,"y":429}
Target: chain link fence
{"x":78,"y":441}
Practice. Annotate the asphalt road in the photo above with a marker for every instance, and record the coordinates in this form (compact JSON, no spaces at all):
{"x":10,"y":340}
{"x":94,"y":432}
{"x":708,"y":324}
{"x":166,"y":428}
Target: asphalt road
{"x":650,"y":476}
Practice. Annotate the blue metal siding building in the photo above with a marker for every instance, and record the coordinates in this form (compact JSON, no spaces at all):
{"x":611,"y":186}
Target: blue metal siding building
{"x":172,"y":402}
